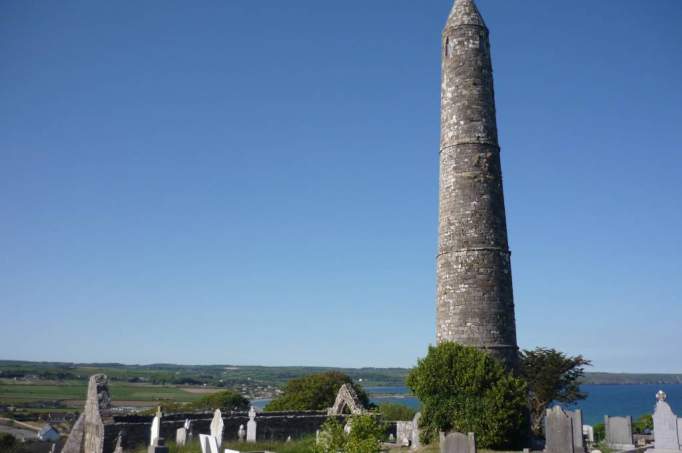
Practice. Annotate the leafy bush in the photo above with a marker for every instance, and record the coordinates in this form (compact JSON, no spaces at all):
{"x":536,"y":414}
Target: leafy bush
{"x":466,"y":390}
{"x":365,"y":436}
{"x":314,"y":392}
{"x":393,"y":412}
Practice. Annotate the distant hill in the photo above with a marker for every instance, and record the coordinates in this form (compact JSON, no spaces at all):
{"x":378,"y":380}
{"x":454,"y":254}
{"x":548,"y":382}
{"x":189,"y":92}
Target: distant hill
{"x":235,"y":375}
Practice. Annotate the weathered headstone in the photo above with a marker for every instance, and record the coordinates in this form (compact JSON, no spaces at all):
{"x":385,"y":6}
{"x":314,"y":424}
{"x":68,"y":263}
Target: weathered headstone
{"x":156,"y":429}
{"x":251,"y":426}
{"x":404,"y":433}
{"x":577,"y":420}
{"x":181,"y":437}
{"x":208,"y":444}
{"x":667,"y":434}
{"x":558,"y":431}
{"x":415,"y":442}
{"x":458,"y":443}
{"x":241,"y":434}
{"x":619,"y":433}
{"x":288,"y":438}
{"x":158,"y":447}
{"x":217,"y":426}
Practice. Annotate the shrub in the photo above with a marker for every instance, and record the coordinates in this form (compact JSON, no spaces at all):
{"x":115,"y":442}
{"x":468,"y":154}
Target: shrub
{"x":466,"y":390}
{"x":393,"y":412}
{"x":365,"y":436}
{"x":314,"y":392}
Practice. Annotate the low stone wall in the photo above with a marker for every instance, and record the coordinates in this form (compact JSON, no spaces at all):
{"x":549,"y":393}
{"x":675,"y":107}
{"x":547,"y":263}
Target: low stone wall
{"x":277,"y":426}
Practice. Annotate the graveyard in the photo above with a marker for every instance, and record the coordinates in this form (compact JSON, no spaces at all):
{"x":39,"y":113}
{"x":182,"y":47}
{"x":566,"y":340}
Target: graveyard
{"x":476,"y":388}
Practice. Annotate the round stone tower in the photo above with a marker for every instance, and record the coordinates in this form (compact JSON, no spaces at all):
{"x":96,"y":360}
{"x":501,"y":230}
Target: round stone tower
{"x":475,"y":301}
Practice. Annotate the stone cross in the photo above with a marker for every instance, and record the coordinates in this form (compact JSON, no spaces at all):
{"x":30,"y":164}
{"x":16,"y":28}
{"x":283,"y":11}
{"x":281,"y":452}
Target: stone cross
{"x":217,"y":426}
{"x":619,"y":432}
{"x":559,"y":431}
{"x":156,"y":429}
{"x":458,"y":443}
{"x":251,"y":426}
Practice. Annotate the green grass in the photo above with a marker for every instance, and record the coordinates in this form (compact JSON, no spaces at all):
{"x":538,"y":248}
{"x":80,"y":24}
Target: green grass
{"x":300,"y":446}
{"x":17,"y":393}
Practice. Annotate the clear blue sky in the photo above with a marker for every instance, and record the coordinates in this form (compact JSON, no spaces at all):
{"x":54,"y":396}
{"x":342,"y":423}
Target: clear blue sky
{"x":255,"y":182}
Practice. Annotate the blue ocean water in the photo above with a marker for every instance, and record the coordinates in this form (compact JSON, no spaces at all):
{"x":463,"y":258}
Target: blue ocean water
{"x":634,"y":400}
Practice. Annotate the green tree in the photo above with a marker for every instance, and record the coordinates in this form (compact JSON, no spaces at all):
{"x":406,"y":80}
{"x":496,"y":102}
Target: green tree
{"x":551,"y":376}
{"x":466,"y":390}
{"x":226,"y":400}
{"x":393,"y":412}
{"x":314,"y":392}
{"x":365,"y":436}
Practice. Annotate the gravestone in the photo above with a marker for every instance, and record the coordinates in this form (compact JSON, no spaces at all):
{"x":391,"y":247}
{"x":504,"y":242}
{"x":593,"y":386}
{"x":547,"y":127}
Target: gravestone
{"x":391,"y":438}
{"x":156,"y":428}
{"x":181,"y":437}
{"x":588,"y":432}
{"x":404,"y":433}
{"x":158,"y":447}
{"x":415,"y":431}
{"x":558,"y":431}
{"x":458,"y":443}
{"x":251,"y":426}
{"x":188,"y":424}
{"x":577,"y":420}
{"x":241,"y":434}
{"x":667,"y":433}
{"x":217,"y":426}
{"x":208,"y":444}
{"x":619,"y":433}
{"x":227,"y":450}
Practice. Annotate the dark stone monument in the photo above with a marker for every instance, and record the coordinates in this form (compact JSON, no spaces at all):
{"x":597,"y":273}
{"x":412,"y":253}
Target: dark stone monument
{"x":475,"y":302}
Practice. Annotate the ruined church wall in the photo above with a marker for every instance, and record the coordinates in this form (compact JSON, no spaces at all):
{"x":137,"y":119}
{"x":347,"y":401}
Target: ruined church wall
{"x":276,"y":426}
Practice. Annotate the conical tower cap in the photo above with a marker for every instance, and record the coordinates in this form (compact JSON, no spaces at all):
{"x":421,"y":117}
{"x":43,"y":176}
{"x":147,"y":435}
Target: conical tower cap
{"x":465,"y":12}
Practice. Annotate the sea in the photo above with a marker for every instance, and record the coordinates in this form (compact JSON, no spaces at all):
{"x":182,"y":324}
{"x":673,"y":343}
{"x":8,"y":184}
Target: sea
{"x":634,"y":400}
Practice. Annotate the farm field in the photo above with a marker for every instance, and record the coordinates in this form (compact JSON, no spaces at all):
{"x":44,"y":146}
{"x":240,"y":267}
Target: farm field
{"x":73,"y":392}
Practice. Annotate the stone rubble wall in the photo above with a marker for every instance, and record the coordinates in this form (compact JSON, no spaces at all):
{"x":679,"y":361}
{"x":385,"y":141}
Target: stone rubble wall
{"x":275,"y":426}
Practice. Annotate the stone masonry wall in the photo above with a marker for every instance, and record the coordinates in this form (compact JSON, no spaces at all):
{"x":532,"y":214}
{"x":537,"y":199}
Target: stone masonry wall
{"x":270,"y":426}
{"x":475,"y":302}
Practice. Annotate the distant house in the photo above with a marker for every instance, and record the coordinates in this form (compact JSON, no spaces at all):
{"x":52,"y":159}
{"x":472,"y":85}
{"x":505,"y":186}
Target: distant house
{"x":48,"y":434}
